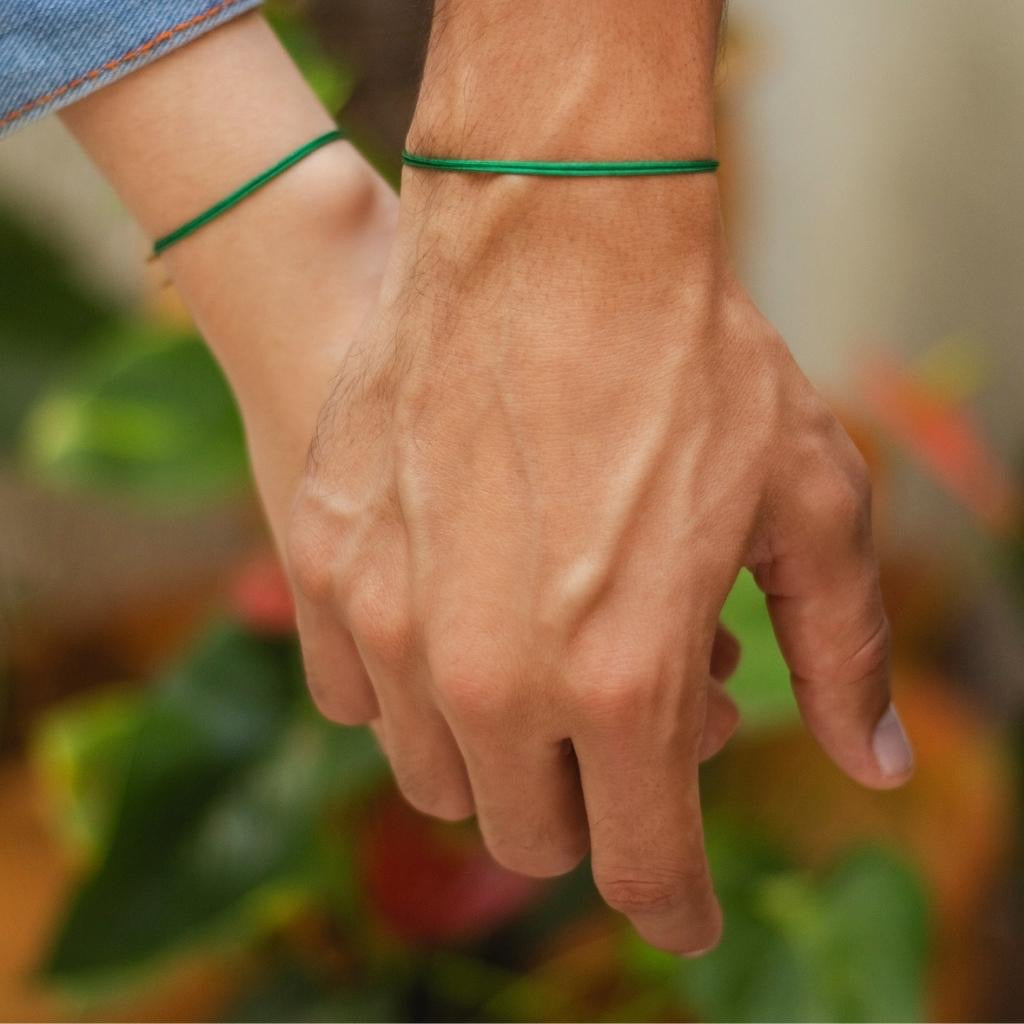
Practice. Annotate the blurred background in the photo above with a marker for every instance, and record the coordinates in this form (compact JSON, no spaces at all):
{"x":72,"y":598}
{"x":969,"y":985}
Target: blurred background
{"x":182,"y":838}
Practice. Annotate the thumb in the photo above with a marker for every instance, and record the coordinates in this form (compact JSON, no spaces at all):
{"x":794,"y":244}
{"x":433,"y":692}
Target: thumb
{"x":823,"y":595}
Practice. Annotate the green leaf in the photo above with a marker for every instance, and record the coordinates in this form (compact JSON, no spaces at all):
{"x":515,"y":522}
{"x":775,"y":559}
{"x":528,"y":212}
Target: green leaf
{"x":210,"y":721}
{"x":293,"y":993}
{"x":83,"y":752}
{"x":761,"y":684}
{"x":850,"y":946}
{"x":879,"y":938}
{"x":151,"y":416}
{"x":229,"y":773}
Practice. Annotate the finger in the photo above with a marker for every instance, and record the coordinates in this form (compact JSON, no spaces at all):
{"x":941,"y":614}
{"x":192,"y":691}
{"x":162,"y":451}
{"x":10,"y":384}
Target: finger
{"x":525,"y":786}
{"x":722,"y":716}
{"x":424,"y":757}
{"x":335,"y":674}
{"x":377,"y":728}
{"x":638,"y":767}
{"x":425,"y":761}
{"x":530,"y":808}
{"x":826,"y":607}
{"x":720,"y":721}
{"x":725,"y":654}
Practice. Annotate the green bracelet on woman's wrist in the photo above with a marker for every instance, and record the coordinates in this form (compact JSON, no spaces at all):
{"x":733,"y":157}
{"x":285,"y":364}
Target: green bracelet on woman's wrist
{"x":229,"y":201}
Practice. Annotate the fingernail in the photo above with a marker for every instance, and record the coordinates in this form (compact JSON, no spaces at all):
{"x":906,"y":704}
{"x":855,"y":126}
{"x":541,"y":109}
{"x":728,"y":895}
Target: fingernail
{"x":696,"y":954}
{"x":891,"y":746}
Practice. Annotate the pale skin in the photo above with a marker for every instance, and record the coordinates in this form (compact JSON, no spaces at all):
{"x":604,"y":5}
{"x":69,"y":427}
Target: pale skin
{"x":548,"y":429}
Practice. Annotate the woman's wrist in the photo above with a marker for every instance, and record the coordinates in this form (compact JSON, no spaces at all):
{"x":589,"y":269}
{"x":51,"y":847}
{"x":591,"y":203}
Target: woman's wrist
{"x":279,"y":284}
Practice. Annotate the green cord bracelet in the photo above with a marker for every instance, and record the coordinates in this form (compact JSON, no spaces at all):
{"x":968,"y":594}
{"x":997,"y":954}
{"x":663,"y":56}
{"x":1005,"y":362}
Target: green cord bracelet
{"x":562,"y":169}
{"x":245,"y":191}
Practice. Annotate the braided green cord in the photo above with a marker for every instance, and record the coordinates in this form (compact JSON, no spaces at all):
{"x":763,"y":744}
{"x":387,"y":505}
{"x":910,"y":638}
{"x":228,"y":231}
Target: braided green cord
{"x":562,"y":169}
{"x":245,"y":191}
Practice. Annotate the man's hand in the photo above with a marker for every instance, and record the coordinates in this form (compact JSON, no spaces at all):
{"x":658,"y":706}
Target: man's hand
{"x":564,"y":432}
{"x":558,"y":439}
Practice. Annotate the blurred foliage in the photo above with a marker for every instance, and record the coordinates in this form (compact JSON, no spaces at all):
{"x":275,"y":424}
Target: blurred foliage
{"x":293,"y":994}
{"x":38,"y":339}
{"x":849,"y":946}
{"x":204,"y":806}
{"x":148,"y":414}
{"x":760,"y":686}
{"x":94,"y":398}
{"x":215,"y":781}
{"x":332,"y":81}
{"x":215,"y":809}
{"x":85,"y":752}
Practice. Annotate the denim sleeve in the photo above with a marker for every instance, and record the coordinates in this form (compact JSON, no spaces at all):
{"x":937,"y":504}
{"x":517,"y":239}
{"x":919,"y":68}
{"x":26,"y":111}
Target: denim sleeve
{"x":53,"y":52}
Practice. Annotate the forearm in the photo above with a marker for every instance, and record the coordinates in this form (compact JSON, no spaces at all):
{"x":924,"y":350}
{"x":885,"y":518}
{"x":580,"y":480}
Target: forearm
{"x":538,"y":79}
{"x":182,"y":133}
{"x":550,"y":79}
{"x":277,"y":284}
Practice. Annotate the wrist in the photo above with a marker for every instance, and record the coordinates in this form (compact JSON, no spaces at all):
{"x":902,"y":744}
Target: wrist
{"x":279,"y":296}
{"x":562,"y":263}
{"x":536,"y":80}
{"x":258,"y":281}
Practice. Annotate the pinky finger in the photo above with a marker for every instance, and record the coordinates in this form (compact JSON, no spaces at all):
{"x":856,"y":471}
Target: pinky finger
{"x":720,"y":722}
{"x":335,"y":674}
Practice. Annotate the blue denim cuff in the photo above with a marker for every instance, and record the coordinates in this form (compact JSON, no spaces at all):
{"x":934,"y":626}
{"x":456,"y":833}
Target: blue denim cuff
{"x":53,"y":52}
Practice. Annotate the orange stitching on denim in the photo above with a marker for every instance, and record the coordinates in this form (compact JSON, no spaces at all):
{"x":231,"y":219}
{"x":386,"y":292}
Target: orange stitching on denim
{"x":113,"y":65}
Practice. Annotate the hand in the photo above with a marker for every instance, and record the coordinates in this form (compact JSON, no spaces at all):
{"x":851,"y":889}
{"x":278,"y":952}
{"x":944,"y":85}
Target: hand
{"x":561,"y":434}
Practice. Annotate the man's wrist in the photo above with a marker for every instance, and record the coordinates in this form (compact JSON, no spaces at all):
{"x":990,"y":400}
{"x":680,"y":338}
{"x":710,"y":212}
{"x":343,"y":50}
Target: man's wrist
{"x":566,"y":264}
{"x":542,"y":80}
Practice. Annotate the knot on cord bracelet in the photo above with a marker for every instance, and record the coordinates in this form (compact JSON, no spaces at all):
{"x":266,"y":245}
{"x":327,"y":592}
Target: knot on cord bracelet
{"x":540,"y":168}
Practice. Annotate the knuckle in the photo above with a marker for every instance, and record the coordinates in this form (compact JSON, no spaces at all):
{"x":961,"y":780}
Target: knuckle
{"x":639,"y":894}
{"x":474,"y":687}
{"x":309,"y":560}
{"x":836,"y":482}
{"x":852,"y":659}
{"x":839,"y":499}
{"x":871,"y":656}
{"x":380,"y":622}
{"x":615,"y":684}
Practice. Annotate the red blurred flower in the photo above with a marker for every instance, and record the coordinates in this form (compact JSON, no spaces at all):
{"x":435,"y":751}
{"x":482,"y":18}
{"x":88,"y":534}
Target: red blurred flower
{"x":941,"y":435}
{"x":258,"y":595}
{"x":432,"y":882}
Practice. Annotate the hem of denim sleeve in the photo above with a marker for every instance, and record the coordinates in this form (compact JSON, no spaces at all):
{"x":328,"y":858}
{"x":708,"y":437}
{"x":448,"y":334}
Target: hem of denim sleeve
{"x":159,"y":44}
